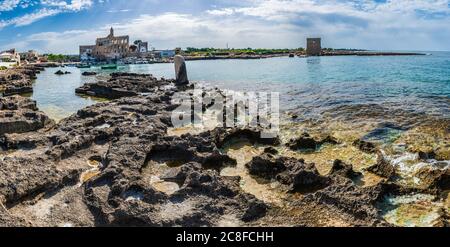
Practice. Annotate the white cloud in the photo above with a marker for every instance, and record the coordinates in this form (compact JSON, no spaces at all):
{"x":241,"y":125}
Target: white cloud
{"x":7,"y":5}
{"x":73,"y":5}
{"x":394,"y":25}
{"x":52,"y":7}
{"x":30,"y":18}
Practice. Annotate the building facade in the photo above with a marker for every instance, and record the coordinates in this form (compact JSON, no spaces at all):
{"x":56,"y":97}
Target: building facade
{"x":313,"y":46}
{"x":29,"y":56}
{"x":106,"y":49}
{"x":9,"y":58}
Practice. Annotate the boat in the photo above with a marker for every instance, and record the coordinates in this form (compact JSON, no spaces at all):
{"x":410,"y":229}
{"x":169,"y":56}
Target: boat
{"x":109,"y":66}
{"x":83,"y":66}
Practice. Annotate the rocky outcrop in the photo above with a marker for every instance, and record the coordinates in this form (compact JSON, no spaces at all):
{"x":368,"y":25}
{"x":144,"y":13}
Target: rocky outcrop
{"x":342,"y":169}
{"x":296,"y":174}
{"x":434,"y":177}
{"x":123,"y":85}
{"x":128,"y":138}
{"x":18,"y":80}
{"x":306,"y":142}
{"x":383,"y":167}
{"x":19,"y":114}
{"x":365,"y":146}
{"x":60,"y":72}
{"x":88,"y":73}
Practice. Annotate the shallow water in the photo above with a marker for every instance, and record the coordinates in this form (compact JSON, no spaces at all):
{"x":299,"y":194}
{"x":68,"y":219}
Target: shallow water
{"x":308,"y":86}
{"x":55,"y":95}
{"x":417,"y":210}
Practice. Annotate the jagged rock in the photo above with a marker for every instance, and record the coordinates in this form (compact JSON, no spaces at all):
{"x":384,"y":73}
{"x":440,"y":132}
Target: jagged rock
{"x":427,"y":155}
{"x":306,"y":142}
{"x":265,"y":166}
{"x":254,"y":135}
{"x":301,"y":176}
{"x":123,"y":85}
{"x":18,"y":80}
{"x":19,"y":114}
{"x":296,"y":174}
{"x":59,"y":72}
{"x":365,"y":146}
{"x":342,"y":169}
{"x":382,"y":168}
{"x":434,"y":177}
{"x":344,"y":197}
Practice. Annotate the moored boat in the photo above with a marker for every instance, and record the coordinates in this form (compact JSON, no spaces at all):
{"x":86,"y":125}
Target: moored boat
{"x":109,"y":66}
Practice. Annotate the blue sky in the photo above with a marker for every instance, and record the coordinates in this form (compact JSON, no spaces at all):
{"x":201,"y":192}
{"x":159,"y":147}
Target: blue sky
{"x":59,"y":26}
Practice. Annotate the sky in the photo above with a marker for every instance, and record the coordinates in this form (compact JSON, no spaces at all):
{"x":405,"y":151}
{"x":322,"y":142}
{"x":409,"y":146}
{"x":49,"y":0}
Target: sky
{"x":60,"y":26}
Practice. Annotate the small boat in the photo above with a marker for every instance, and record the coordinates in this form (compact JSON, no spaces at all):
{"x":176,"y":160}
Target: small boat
{"x":83,"y":66}
{"x":109,"y":66}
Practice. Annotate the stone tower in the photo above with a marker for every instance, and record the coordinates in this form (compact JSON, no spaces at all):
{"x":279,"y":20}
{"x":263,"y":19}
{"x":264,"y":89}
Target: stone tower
{"x":111,"y":32}
{"x":313,"y":46}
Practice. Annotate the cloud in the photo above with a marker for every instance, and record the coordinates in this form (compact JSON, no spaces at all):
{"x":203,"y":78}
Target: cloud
{"x":48,"y":8}
{"x":30,"y":18}
{"x":368,"y":24}
{"x":7,"y":5}
{"x":73,"y":5}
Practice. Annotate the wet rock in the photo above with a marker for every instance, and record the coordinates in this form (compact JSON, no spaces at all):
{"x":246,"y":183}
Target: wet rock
{"x":301,"y":176}
{"x":343,"y":197}
{"x":254,"y":135}
{"x":305,"y":141}
{"x":342,"y":169}
{"x":60,"y":72}
{"x":383,"y":167}
{"x":123,"y":85}
{"x":365,"y":146}
{"x":427,"y":155}
{"x":432,"y":177}
{"x":296,"y":174}
{"x":88,"y":73}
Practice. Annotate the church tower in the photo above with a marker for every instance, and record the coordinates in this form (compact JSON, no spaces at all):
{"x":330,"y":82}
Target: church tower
{"x":111,"y":32}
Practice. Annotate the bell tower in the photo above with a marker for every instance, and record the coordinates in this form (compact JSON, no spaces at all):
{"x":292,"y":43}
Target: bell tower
{"x":111,"y":32}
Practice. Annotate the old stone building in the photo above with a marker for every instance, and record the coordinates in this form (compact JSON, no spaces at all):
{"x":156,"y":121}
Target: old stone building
{"x":9,"y":58}
{"x":108,"y":48}
{"x":313,"y":46}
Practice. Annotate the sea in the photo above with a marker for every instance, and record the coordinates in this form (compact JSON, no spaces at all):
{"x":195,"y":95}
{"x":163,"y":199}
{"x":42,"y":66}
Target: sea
{"x":308,"y":86}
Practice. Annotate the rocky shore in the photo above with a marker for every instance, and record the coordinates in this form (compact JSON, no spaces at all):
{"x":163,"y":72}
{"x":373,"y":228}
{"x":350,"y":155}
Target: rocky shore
{"x":114,"y":164}
{"x":20,"y":80}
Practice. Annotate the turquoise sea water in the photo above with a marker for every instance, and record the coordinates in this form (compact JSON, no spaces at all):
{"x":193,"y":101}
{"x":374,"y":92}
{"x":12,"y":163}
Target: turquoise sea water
{"x":309,"y":86}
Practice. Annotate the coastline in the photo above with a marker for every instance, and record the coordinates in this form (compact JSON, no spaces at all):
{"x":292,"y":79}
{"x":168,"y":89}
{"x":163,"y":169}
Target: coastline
{"x":83,"y":157}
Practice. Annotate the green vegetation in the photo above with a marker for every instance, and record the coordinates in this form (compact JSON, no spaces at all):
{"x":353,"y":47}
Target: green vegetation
{"x":246,"y":51}
{"x":56,"y":58}
{"x":3,"y":68}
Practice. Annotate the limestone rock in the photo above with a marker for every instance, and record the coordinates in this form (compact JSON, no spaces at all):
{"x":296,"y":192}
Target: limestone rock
{"x":180,"y":70}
